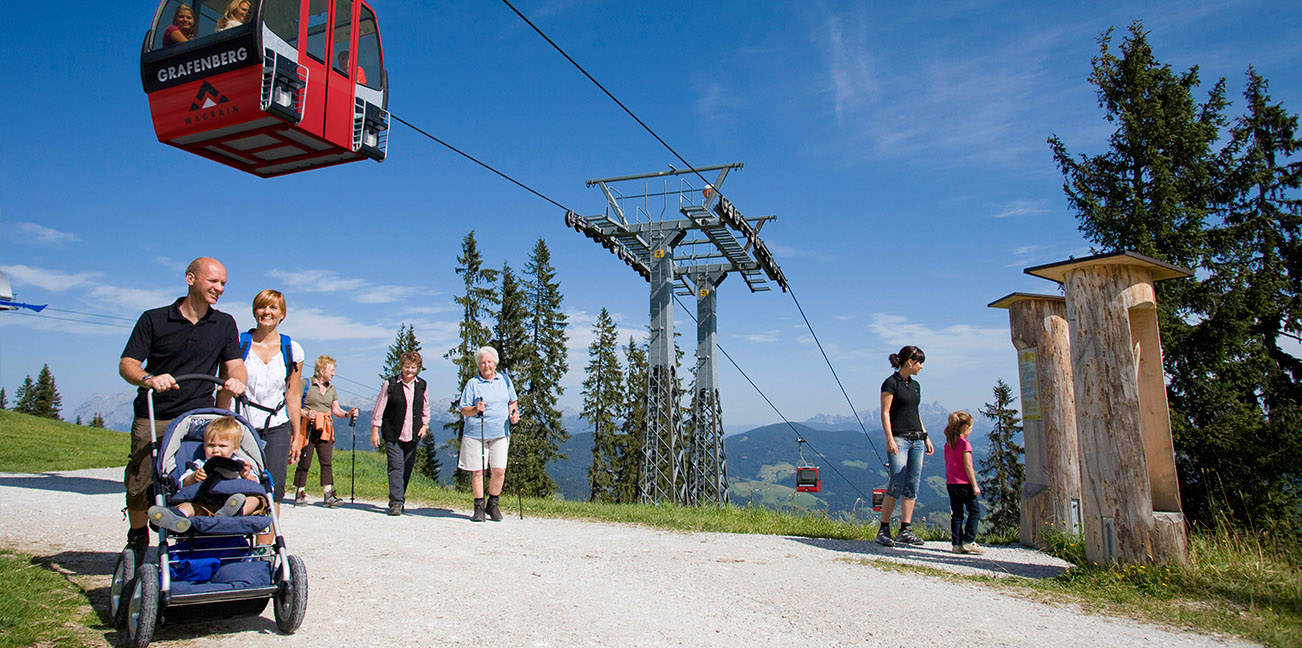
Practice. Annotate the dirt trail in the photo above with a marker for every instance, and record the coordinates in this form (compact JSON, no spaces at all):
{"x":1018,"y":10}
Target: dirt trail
{"x":432,"y":577}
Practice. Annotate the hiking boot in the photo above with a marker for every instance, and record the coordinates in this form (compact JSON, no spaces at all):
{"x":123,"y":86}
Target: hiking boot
{"x":884,"y":537}
{"x":331,"y":500}
{"x":395,"y":509}
{"x":478,"y":515}
{"x":138,"y":542}
{"x":958,"y":549}
{"x":166,"y":518}
{"x":300,"y":499}
{"x":973,"y":548}
{"x":234,"y":506}
{"x":907,"y":537}
{"x":494,"y":513}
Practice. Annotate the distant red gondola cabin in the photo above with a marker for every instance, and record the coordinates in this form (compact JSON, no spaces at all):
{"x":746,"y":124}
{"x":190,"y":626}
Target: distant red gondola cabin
{"x":268,"y":86}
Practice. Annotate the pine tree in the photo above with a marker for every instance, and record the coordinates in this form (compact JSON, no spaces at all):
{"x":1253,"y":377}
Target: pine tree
{"x":427,"y":458}
{"x":97,"y":421}
{"x":1235,"y":384}
{"x":4,"y":400}
{"x":1001,"y":471}
{"x":633,"y":411}
{"x":511,"y":339}
{"x":540,"y":433}
{"x":48,"y":401}
{"x":602,"y":400}
{"x":1151,"y":192}
{"x":26,"y":395}
{"x":404,"y":342}
{"x":476,"y":304}
{"x":78,"y":421}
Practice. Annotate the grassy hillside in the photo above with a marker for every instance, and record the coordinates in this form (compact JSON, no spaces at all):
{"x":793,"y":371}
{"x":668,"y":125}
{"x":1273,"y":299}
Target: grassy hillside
{"x":33,"y":444}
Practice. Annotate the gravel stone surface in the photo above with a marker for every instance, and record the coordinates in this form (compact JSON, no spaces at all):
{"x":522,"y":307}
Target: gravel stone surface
{"x":432,"y":577}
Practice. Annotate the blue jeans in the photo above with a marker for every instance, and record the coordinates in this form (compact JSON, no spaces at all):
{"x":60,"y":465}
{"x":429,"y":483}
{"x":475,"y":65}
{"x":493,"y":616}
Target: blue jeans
{"x":962,"y":501}
{"x":402,"y":458}
{"x":906,"y":468}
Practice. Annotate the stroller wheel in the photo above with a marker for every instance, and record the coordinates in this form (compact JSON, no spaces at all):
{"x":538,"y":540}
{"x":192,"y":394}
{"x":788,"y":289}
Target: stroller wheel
{"x":142,"y":606}
{"x":120,"y":586}
{"x":291,"y":599}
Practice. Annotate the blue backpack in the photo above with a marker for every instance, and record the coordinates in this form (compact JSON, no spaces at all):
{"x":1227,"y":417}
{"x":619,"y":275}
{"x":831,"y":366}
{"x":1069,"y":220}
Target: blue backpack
{"x":286,"y":351}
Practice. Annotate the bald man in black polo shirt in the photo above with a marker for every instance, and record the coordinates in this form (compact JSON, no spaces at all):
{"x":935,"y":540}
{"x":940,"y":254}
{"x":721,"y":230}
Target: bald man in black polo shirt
{"x":187,"y":337}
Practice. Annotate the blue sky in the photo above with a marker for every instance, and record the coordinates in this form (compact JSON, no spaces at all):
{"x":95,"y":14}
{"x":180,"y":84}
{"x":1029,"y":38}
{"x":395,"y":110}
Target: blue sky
{"x":902,"y":150}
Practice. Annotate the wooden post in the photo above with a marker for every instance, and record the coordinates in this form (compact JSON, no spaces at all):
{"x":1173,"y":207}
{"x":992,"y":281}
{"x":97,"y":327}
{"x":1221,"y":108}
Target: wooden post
{"x":1130,"y":497}
{"x":1051,"y":493}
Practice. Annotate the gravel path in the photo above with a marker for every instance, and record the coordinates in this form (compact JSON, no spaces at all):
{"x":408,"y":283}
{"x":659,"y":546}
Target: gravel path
{"x":432,"y":577}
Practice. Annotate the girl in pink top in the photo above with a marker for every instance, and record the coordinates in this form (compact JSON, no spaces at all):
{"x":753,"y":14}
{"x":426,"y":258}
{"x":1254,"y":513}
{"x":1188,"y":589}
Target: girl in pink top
{"x":961,"y":482}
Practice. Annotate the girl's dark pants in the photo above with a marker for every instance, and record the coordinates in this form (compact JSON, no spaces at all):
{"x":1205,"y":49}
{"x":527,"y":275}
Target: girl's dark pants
{"x":963,"y":503}
{"x":325,"y":451}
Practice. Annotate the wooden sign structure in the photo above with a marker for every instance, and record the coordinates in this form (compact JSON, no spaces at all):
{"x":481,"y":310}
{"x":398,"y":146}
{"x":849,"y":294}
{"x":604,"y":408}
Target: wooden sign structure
{"x":1130,"y":497}
{"x":1051,"y":493}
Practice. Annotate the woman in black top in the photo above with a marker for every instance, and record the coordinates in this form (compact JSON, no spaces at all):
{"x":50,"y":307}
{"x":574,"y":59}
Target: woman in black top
{"x":906,"y":443}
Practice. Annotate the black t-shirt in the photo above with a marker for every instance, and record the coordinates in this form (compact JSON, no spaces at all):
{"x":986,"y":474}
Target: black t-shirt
{"x":169,"y":344}
{"x":906,"y":395}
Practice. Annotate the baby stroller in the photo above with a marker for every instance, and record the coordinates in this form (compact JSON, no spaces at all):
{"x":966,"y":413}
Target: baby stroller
{"x":219,"y":566}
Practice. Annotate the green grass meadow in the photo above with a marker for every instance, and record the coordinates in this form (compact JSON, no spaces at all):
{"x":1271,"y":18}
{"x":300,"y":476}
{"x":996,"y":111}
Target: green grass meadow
{"x":1240,"y":583}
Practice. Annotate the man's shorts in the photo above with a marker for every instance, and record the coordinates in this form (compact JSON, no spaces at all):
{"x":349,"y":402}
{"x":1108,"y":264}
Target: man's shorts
{"x":139,"y":474}
{"x":471,"y":459}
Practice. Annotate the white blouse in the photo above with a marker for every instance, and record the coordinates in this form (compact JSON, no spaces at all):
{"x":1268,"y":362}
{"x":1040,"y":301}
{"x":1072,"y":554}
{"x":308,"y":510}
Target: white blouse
{"x":266,"y":385}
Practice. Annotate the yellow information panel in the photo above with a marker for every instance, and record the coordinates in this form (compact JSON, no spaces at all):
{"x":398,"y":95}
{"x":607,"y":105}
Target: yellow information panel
{"x":1030,"y":384}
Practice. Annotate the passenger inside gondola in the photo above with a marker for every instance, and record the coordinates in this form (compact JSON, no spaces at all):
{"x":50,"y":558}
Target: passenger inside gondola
{"x":182,"y":28}
{"x":236,"y":14}
{"x":342,"y":67}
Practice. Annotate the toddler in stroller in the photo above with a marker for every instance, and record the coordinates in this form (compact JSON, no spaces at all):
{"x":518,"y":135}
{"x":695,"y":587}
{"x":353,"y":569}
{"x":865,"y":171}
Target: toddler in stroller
{"x":205,"y":483}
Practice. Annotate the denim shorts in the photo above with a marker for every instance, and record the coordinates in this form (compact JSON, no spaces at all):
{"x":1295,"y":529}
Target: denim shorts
{"x":906,"y":468}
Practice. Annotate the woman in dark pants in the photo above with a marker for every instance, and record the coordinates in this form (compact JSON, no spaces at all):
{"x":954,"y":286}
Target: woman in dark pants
{"x":906,"y":443}
{"x":320,"y":406}
{"x":274,"y":381}
{"x":402,"y":414}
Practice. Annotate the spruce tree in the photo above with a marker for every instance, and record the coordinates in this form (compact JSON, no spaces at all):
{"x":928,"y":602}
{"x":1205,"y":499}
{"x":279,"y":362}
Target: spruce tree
{"x":1001,"y":471}
{"x":1235,"y":384}
{"x":602,"y":400}
{"x":540,"y":433}
{"x":4,"y":400}
{"x":404,"y":342}
{"x":427,"y":458}
{"x":97,"y":421}
{"x":511,"y":339}
{"x":48,"y":401}
{"x":477,"y":302}
{"x":633,"y":412}
{"x":26,"y":396}
{"x":78,"y":421}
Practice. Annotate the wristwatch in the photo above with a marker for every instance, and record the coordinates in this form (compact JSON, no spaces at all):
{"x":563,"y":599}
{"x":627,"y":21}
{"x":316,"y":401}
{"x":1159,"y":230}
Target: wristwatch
{"x":146,"y":379}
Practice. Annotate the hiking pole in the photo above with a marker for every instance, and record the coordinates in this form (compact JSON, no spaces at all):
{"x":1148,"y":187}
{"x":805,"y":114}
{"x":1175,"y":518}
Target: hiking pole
{"x":519,"y":499}
{"x":352,"y":470}
{"x":483,"y":455}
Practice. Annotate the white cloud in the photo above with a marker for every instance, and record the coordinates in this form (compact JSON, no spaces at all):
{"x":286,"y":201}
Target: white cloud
{"x":316,"y":324}
{"x":957,"y":346}
{"x":133,"y":299}
{"x":317,"y":281}
{"x":1021,"y":208}
{"x":383,"y":294}
{"x":756,"y":338}
{"x":43,"y":235}
{"x":21,"y":276}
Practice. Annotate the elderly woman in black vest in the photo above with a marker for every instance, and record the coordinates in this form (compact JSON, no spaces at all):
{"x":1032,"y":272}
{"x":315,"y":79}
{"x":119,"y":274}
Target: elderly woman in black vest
{"x":402,"y":415}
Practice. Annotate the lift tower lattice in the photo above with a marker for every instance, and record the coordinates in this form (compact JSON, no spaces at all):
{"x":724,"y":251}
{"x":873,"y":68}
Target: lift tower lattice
{"x":682,"y":462}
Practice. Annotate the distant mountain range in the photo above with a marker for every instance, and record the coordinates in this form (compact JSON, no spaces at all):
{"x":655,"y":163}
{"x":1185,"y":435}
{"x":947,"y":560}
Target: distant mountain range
{"x":761,"y":461}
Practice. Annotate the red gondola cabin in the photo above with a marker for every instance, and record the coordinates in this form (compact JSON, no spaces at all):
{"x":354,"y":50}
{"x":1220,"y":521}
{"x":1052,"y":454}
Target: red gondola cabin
{"x":268,"y":86}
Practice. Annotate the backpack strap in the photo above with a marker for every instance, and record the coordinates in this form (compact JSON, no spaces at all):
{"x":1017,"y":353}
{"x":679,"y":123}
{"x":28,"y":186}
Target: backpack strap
{"x":286,"y":351}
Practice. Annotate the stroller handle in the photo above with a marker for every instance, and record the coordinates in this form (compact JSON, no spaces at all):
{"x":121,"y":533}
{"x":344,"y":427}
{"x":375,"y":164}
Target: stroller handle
{"x":241,"y":399}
